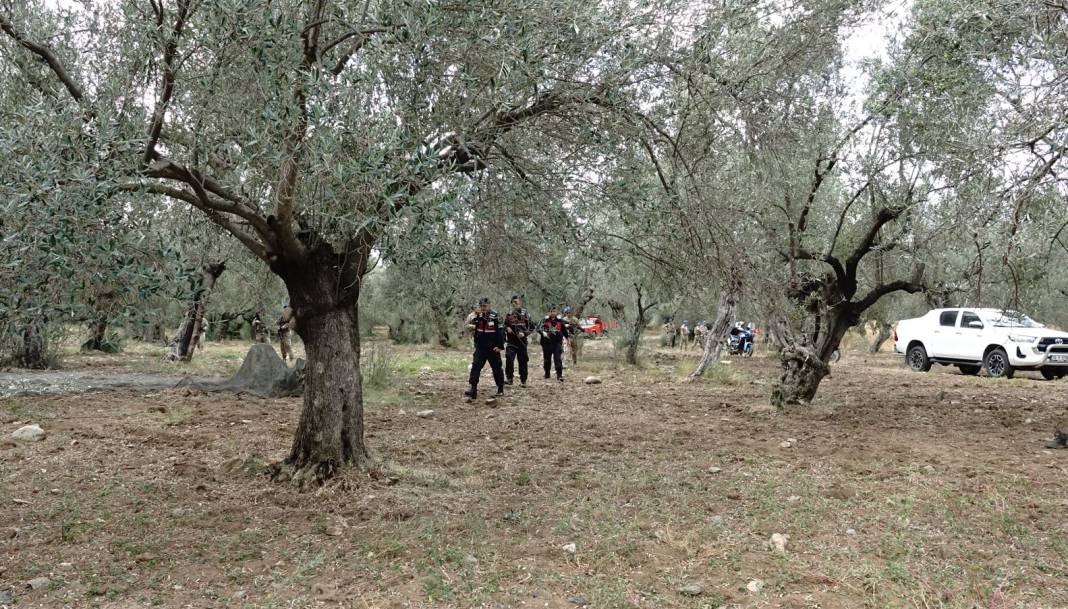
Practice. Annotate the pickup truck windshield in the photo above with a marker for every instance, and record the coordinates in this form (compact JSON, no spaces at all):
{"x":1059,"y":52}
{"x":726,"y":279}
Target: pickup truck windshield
{"x":1013,"y":319}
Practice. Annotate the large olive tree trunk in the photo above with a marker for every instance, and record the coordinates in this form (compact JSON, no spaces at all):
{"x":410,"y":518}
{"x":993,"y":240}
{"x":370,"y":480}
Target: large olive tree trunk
{"x":324,"y":290}
{"x":188,"y":337}
{"x":716,"y":337}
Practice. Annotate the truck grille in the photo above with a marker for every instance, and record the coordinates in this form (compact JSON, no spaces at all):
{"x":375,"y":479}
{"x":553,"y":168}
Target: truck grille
{"x":1046,"y":342}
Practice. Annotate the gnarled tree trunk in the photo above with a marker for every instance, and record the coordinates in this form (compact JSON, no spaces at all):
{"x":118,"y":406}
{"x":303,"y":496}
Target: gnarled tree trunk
{"x":716,"y":337}
{"x":188,"y":336}
{"x":885,"y":330}
{"x":97,"y":335}
{"x":324,"y":294}
{"x":33,"y":352}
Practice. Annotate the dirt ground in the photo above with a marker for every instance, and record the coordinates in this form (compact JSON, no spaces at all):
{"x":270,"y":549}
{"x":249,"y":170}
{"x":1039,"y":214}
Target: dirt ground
{"x":895,"y":489}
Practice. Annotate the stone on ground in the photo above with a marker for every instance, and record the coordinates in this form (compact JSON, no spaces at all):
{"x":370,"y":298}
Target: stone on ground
{"x":778,"y":542}
{"x":593,"y":380}
{"x":29,"y":433}
{"x":425,"y":414}
{"x":692,"y":589}
{"x":38,"y":583}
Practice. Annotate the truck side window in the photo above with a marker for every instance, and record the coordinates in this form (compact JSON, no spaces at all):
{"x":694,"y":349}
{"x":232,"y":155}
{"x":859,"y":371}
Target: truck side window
{"x":948,"y":318}
{"x":967,"y":318}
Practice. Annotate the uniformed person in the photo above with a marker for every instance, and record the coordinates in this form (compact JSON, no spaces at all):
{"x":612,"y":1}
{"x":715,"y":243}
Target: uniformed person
{"x":488,"y":330}
{"x":684,"y":334}
{"x":286,"y":324}
{"x":669,"y":332}
{"x":575,"y":335}
{"x":259,"y":329}
{"x":553,"y":331}
{"x":517,"y":327}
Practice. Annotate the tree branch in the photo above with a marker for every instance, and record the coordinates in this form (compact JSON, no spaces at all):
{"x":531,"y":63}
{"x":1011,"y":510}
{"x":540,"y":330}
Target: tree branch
{"x":46,"y":55}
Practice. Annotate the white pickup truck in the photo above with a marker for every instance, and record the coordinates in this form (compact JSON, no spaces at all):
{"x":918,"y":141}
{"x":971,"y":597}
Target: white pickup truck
{"x":1000,"y":341}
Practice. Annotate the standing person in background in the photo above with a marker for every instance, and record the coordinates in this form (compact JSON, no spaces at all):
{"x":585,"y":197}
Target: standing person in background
{"x":669,"y":332}
{"x":517,"y":327}
{"x":699,"y":333}
{"x":575,"y":335}
{"x":553,"y":331}
{"x":259,"y":330}
{"x":684,"y":334}
{"x":286,"y":324}
{"x":488,"y":331}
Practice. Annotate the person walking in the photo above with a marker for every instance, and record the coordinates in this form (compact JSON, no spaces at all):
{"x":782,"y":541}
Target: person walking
{"x":553,"y":331}
{"x":575,"y":335}
{"x":488,"y":332}
{"x":517,"y":327}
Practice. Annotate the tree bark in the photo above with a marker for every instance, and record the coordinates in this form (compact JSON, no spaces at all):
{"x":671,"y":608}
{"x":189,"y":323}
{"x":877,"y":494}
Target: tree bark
{"x":97,"y":335}
{"x":716,"y":337}
{"x":188,"y":336}
{"x":885,"y":330}
{"x":33,"y":353}
{"x":324,"y":294}
{"x":805,"y":362}
{"x":442,"y":314}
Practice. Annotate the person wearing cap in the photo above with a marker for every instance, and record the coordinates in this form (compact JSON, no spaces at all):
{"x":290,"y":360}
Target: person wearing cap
{"x":488,"y":332}
{"x":517,"y":327}
{"x":574,"y":334}
{"x":553,"y":331}
{"x":684,"y":334}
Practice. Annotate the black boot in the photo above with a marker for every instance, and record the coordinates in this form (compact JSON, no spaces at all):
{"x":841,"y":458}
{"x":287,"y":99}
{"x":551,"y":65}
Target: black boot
{"x":1060,"y":440}
{"x":500,"y":391}
{"x":546,"y":374}
{"x":508,"y":381}
{"x":472,"y":392}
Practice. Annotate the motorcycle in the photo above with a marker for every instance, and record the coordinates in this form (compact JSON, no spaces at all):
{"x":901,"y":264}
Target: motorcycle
{"x":740,"y":342}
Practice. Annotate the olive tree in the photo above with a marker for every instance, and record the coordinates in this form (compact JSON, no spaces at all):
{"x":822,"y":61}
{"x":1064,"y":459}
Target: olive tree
{"x":305,"y":129}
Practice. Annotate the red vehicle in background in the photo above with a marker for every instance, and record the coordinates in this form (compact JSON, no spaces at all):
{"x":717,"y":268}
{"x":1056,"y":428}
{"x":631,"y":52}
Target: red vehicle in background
{"x":594,"y":327}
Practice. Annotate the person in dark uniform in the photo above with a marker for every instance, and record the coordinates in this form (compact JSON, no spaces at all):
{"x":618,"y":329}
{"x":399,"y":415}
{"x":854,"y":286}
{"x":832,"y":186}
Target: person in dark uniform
{"x":488,"y":331}
{"x":553,"y":331}
{"x":517,"y":327}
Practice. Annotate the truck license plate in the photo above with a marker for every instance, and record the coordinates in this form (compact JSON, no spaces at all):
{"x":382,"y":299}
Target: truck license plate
{"x":1058,"y":358}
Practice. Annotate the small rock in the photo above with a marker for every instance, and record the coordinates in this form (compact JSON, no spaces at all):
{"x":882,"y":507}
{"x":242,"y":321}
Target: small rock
{"x":29,"y":433}
{"x":778,"y":542}
{"x":930,"y":469}
{"x":715,"y":470}
{"x":579,"y":600}
{"x":593,"y":380}
{"x":160,"y":409}
{"x":38,"y":582}
{"x":692,"y":589}
{"x":491,"y":401}
{"x":851,"y":532}
{"x":425,"y":370}
{"x":470,"y":561}
{"x":6,"y":597}
{"x":239,"y":595}
{"x":785,"y":444}
{"x":1028,"y":421}
{"x":425,"y":414}
{"x":793,"y":499}
{"x":755,"y":586}
{"x":570,"y":548}
{"x":792,"y":440}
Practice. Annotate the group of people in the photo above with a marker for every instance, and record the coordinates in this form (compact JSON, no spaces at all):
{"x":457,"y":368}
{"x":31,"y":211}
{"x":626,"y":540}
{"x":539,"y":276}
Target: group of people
{"x":684,"y":336}
{"x":494,"y":335}
{"x":286,"y":324}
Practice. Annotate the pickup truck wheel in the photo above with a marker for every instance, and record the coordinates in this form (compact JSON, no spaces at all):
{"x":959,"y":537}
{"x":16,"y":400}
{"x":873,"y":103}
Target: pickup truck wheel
{"x":1052,"y":375}
{"x":969,"y":370}
{"x":917,"y":359}
{"x":997,"y":364}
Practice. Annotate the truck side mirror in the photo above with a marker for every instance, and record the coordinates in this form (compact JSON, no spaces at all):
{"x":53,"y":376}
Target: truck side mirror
{"x":978,"y":325}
